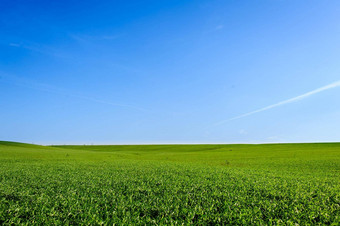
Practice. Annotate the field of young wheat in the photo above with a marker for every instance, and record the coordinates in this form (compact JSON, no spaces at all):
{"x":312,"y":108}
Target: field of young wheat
{"x":170,"y":184}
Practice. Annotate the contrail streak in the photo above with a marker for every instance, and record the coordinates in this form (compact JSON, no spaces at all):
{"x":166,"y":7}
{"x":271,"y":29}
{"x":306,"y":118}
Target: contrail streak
{"x":291,"y":100}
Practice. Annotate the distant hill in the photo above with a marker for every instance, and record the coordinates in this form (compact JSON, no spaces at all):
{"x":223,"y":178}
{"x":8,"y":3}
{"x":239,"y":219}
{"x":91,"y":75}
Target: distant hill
{"x":18,"y":144}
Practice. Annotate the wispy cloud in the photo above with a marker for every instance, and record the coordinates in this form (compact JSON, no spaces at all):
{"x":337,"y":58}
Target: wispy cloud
{"x":18,"y":81}
{"x":243,"y":132}
{"x":85,"y":38}
{"x":219,"y":27}
{"x":291,"y":100}
{"x":14,"y":44}
{"x":42,"y":49}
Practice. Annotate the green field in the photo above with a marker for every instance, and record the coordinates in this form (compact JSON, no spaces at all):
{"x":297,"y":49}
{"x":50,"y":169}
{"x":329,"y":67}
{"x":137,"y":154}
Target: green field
{"x":297,"y":184}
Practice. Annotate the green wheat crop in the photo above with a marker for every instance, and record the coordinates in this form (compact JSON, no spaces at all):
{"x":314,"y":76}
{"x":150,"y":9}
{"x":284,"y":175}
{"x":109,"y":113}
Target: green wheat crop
{"x":294,"y":184}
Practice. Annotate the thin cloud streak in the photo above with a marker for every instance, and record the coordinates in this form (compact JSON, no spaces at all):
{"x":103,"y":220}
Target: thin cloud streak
{"x":14,"y":80}
{"x":291,"y":100}
{"x":41,"y":49}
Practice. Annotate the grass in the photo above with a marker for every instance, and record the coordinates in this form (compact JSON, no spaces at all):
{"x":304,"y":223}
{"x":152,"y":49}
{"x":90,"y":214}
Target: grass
{"x":170,"y":184}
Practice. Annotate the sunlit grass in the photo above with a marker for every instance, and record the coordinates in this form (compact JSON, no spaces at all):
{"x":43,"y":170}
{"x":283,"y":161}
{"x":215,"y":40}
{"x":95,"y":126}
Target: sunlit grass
{"x":171,"y":184}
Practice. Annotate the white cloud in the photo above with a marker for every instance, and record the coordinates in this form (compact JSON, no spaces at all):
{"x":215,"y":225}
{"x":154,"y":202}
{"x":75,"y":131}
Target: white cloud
{"x":18,"y":81}
{"x":219,"y":27}
{"x":243,"y":132}
{"x":15,"y":44}
{"x":85,"y":38}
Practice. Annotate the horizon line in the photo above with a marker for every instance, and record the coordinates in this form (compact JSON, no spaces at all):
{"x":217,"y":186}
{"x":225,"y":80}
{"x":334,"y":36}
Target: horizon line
{"x":165,"y":143}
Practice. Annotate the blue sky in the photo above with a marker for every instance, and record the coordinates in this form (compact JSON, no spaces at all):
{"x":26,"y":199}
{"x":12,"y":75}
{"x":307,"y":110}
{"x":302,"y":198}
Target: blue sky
{"x":125,"y":72}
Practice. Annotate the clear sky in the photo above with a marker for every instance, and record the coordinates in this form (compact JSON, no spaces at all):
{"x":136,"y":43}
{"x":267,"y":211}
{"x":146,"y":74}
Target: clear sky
{"x":124,"y":72}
